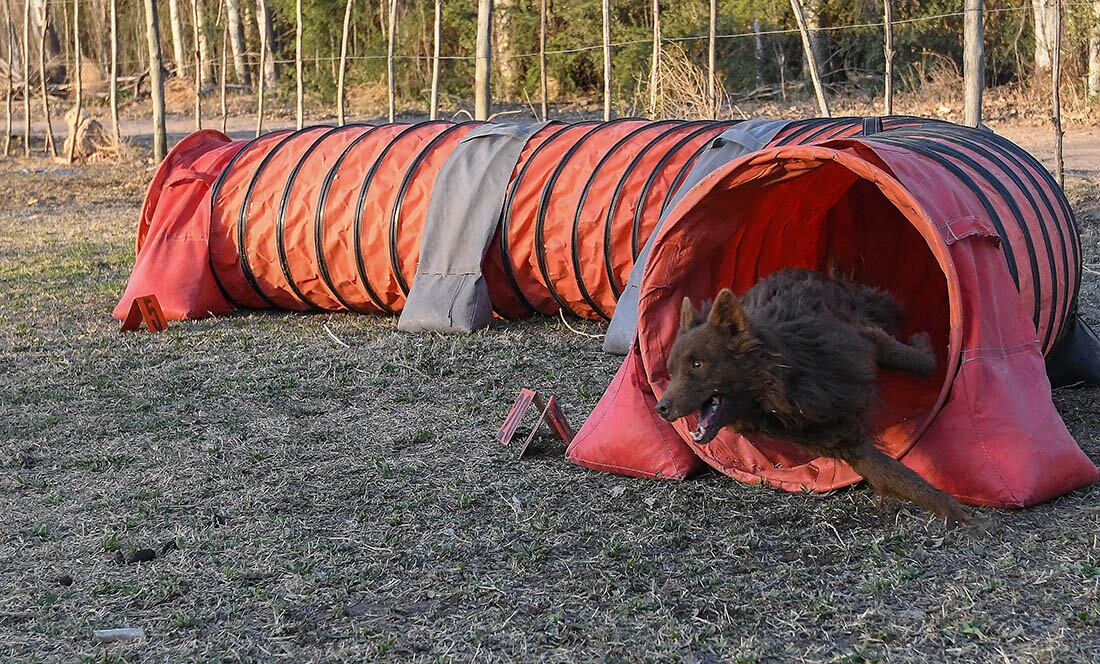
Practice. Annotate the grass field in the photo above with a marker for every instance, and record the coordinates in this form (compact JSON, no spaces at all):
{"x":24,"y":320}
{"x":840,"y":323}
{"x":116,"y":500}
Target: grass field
{"x":334,"y":503}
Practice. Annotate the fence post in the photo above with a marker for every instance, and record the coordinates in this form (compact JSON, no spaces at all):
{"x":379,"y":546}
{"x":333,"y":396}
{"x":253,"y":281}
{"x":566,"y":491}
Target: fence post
{"x":811,"y":58}
{"x":888,"y":55}
{"x":77,"y":65}
{"x":543,"y":95}
{"x":26,"y":78}
{"x":1056,"y":94}
{"x":483,"y":61}
{"x":973,"y":62}
{"x":300,"y":98}
{"x":712,"y":60}
{"x":156,"y":79}
{"x":391,"y":32}
{"x":437,"y":37}
{"x":261,"y":12}
{"x":607,"y":83}
{"x":343,"y":64}
{"x":51,"y":146}
{"x":116,"y":125}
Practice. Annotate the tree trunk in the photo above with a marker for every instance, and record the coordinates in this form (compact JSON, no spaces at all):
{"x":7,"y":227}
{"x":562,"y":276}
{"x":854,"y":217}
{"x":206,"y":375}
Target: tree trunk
{"x":811,"y":57}
{"x":390,"y":82}
{"x":224,"y":70}
{"x":655,"y":60}
{"x":38,"y":23}
{"x":504,"y":47}
{"x":9,"y":37}
{"x":26,"y":78}
{"x":196,"y":54}
{"x":178,"y":51}
{"x":543,"y":93}
{"x":758,"y":51}
{"x":343,"y":64}
{"x":236,"y":40}
{"x":299,"y":98}
{"x":51,"y":146}
{"x":263,"y":24}
{"x":116,"y":126}
{"x":78,"y":76}
{"x":1043,"y":13}
{"x":1056,"y":93}
{"x":156,"y":79}
{"x":1094,"y":53}
{"x":433,"y":104}
{"x":888,"y":55}
{"x":712,"y":60}
{"x":204,"y":43}
{"x":813,"y":10}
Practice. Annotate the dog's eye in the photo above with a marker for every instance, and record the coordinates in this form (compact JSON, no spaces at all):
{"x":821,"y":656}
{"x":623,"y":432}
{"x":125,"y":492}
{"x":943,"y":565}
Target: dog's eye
{"x":696,"y":364}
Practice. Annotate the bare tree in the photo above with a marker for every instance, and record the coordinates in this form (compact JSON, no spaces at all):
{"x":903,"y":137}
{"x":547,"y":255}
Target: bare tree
{"x":78,"y":82}
{"x":813,"y":11}
{"x":299,"y":98}
{"x":543,"y":93}
{"x":343,"y":64}
{"x":198,"y":8}
{"x":758,"y":51}
{"x":1043,"y":14}
{"x":712,"y":59}
{"x":176,"y":23}
{"x":655,"y":59}
{"x":888,"y":55}
{"x":504,"y":48}
{"x":1056,"y":93}
{"x":224,"y":65}
{"x":197,"y":54}
{"x":390,"y":38}
{"x":1094,"y":53}
{"x":811,"y":57}
{"x":236,"y":39}
{"x":26,"y":78}
{"x":51,"y":146}
{"x":156,"y":79}
{"x":261,"y":85}
{"x":9,"y":37}
{"x":267,"y":57}
{"x":116,"y":127}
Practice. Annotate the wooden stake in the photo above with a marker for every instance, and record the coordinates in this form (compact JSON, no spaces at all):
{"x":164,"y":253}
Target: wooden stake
{"x":300,"y":92}
{"x":51,"y":146}
{"x":758,"y":51}
{"x":437,"y":35}
{"x":236,"y":39}
{"x":197,"y":55}
{"x":79,"y":80}
{"x":712,"y":60}
{"x":888,"y":55}
{"x":811,"y":58}
{"x":607,"y":82}
{"x":391,"y":31}
{"x":973,"y":63}
{"x":483,"y":51}
{"x":116,"y":125}
{"x":343,"y":64}
{"x":544,"y":96}
{"x":156,"y":79}
{"x":1056,"y":94}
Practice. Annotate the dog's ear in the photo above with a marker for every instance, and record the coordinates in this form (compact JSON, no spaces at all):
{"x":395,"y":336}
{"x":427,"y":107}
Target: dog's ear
{"x":727,"y":313}
{"x":689,"y":317}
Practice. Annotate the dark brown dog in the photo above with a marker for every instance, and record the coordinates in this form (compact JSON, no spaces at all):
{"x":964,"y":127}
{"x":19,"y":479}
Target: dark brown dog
{"x":796,"y":361}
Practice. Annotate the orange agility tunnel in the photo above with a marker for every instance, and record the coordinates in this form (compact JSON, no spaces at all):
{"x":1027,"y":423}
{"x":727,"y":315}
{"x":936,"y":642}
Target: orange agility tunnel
{"x":450,"y":224}
{"x":971,"y":234}
{"x":331,"y":218}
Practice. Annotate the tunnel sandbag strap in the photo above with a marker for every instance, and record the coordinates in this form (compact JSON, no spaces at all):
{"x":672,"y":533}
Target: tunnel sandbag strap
{"x":872,"y":125}
{"x":1075,"y":359}
{"x":735,"y":142}
{"x":449,"y":293}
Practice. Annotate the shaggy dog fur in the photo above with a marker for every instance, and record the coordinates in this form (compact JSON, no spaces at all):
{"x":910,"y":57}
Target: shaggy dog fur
{"x":796,"y":360}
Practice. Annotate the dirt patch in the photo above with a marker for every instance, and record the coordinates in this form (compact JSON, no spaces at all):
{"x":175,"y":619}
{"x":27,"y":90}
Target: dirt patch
{"x":332,"y":503}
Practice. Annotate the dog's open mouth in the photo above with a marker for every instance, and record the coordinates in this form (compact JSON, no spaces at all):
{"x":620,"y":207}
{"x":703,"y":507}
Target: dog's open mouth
{"x":708,"y":426}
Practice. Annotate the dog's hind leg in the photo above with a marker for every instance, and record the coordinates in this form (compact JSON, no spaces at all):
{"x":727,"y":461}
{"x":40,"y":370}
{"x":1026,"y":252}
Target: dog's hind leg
{"x":915,"y":357}
{"x":889,"y":477}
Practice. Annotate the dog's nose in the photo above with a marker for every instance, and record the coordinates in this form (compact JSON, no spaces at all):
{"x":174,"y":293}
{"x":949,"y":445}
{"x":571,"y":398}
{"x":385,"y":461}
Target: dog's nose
{"x":663,"y":408}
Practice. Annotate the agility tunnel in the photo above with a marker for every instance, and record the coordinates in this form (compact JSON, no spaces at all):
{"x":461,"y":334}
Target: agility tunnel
{"x":449,"y":224}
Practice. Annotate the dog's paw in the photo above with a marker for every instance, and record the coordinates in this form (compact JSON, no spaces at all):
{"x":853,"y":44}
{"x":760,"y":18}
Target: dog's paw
{"x":956,"y":515}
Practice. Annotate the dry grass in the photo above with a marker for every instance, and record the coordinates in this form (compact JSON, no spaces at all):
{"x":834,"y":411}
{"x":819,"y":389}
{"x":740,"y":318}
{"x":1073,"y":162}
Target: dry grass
{"x":349,"y":504}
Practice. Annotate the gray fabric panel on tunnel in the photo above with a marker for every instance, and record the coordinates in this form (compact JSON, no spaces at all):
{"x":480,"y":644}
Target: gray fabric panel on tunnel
{"x":449,"y":293}
{"x":735,"y":142}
